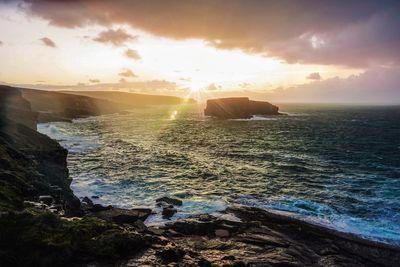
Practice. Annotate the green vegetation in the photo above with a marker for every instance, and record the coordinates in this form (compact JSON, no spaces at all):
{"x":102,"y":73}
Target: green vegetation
{"x":39,"y":238}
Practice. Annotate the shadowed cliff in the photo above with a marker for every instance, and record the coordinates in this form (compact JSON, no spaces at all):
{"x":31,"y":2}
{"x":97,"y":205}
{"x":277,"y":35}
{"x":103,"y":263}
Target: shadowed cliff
{"x":238,"y":108}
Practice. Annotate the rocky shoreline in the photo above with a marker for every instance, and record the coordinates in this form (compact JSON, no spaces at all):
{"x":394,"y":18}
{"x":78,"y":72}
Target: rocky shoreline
{"x":43,"y":224}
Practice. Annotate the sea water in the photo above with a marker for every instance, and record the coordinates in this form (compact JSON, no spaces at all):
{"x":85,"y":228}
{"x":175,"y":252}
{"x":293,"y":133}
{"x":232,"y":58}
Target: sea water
{"x":338,"y":166}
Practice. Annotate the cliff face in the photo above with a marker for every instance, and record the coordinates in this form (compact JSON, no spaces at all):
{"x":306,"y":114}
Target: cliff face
{"x":262,"y":108}
{"x":15,"y":108}
{"x":238,"y":108}
{"x":57,"y":106}
{"x":31,"y":164}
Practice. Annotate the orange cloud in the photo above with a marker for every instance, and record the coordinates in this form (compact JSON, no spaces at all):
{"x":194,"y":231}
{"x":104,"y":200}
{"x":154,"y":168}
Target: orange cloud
{"x":314,"y":76}
{"x":127,"y":73}
{"x":115,"y":37}
{"x":133,"y":54}
{"x":48,"y":42}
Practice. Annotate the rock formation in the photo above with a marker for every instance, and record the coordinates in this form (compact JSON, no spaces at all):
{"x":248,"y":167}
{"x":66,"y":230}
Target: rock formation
{"x":37,"y":227}
{"x":238,"y":108}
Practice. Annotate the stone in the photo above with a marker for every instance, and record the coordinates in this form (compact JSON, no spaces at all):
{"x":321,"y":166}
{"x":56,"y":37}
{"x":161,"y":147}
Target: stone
{"x":169,"y":200}
{"x":171,"y":254}
{"x":98,"y":208}
{"x":163,"y":205}
{"x":123,"y":216}
{"x":87,"y":201}
{"x":221,"y":233}
{"x":168,"y":212}
{"x":156,"y":230}
{"x":48,"y":200}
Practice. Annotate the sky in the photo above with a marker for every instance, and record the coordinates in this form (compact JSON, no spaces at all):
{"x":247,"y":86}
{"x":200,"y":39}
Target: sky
{"x":283,"y":51}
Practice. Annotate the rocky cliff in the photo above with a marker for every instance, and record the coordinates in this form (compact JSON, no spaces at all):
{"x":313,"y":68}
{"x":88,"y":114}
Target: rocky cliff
{"x":31,"y":163}
{"x":37,"y":227}
{"x":238,"y":108}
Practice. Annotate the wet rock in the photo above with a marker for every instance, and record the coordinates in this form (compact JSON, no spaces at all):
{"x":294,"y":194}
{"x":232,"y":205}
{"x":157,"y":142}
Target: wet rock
{"x":221,"y":233}
{"x":155,"y":230}
{"x":163,"y":205}
{"x":168,"y":212}
{"x":262,"y":240}
{"x":169,"y":200}
{"x":88,"y":201}
{"x":194,"y":227}
{"x":123,"y":216}
{"x":95,"y":197}
{"x":98,"y":208}
{"x":140,"y":226}
{"x":48,"y":200}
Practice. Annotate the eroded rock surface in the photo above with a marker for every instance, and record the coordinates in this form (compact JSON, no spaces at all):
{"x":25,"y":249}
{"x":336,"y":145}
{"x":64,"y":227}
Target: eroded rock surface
{"x":261,"y":238}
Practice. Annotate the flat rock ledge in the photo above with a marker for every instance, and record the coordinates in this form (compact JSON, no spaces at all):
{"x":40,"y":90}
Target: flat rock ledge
{"x":246,"y":236}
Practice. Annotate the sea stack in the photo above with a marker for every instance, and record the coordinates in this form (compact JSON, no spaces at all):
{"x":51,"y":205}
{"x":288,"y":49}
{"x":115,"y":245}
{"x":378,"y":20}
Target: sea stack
{"x":238,"y":108}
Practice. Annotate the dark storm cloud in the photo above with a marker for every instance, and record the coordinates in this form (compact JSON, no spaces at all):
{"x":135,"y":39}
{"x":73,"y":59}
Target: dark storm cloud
{"x":354,"y":33}
{"x":115,"y":37}
{"x":48,"y":42}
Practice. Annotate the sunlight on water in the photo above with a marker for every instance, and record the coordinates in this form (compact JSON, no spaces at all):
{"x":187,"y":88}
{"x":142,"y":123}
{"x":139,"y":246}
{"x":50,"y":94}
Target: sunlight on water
{"x":336,"y":166}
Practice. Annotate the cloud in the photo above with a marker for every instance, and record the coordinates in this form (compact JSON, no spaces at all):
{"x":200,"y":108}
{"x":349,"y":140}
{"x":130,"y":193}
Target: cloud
{"x":1,"y":43}
{"x":244,"y":85}
{"x":115,"y":37}
{"x":212,"y":87}
{"x":122,"y":80}
{"x":127,"y":73}
{"x":94,"y":80}
{"x":48,"y":42}
{"x":133,"y":54}
{"x":353,"y":33}
{"x":314,"y":76}
{"x":377,"y":85}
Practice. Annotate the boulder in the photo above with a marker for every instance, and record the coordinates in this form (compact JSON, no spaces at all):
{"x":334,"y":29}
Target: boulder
{"x":221,"y":233}
{"x":169,"y":200}
{"x":168,"y":212}
{"x":238,"y":108}
{"x":88,"y":201}
{"x":123,"y":216}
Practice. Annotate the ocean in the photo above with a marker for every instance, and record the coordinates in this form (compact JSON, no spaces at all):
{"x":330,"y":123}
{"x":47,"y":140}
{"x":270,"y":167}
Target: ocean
{"x":333,"y":165}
